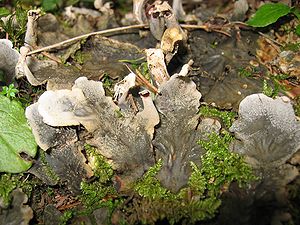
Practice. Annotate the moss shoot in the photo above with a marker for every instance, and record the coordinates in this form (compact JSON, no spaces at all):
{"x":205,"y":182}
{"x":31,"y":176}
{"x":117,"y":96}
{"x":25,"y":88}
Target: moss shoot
{"x":226,"y":117}
{"x":100,"y":192}
{"x":7,"y":185}
{"x":201,"y":198}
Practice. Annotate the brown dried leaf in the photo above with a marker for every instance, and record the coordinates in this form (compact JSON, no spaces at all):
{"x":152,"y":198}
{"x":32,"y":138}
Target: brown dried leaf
{"x":97,"y":56}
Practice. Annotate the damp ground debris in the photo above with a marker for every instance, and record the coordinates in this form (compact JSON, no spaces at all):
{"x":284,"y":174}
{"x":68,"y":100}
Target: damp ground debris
{"x":149,"y":112}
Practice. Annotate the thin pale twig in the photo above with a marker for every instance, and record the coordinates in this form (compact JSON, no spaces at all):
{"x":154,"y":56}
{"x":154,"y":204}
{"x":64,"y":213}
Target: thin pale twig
{"x":78,"y":38}
{"x":115,"y":30}
{"x":271,"y":39}
{"x":142,"y":80}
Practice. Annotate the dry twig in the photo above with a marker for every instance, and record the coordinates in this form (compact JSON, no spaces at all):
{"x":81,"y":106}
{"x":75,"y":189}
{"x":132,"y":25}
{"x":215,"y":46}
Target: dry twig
{"x":78,"y":38}
{"x":112,"y":31}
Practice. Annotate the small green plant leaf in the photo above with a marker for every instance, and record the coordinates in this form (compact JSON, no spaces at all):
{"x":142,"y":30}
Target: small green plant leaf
{"x":51,"y":5}
{"x":4,"y":12}
{"x":15,"y":137}
{"x":268,"y":13}
{"x":9,"y":91}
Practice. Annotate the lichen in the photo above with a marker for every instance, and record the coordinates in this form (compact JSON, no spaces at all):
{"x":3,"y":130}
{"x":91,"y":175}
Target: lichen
{"x":267,"y":131}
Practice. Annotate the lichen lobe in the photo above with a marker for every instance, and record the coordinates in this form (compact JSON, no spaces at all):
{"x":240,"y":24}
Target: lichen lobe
{"x":267,"y":130}
{"x":176,"y":137}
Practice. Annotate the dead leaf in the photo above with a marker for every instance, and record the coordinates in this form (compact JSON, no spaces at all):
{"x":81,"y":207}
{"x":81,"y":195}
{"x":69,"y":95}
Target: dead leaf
{"x":217,"y":68}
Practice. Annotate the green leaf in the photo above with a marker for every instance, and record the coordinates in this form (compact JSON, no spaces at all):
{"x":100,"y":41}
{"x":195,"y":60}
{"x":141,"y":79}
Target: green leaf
{"x":9,"y":91}
{"x":51,"y":5}
{"x":4,"y":12}
{"x":71,"y":2}
{"x":296,"y":12}
{"x":268,"y":14}
{"x":267,"y":89}
{"x":15,"y":137}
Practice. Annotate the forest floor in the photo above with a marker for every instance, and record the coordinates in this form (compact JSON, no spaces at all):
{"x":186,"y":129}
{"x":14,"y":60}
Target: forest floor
{"x":207,"y":131}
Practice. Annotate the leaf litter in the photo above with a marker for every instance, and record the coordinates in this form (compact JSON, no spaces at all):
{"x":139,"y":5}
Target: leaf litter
{"x":139,"y":128}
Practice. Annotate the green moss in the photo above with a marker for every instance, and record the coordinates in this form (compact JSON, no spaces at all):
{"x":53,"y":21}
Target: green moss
{"x":9,"y":182}
{"x":100,"y":192}
{"x":220,"y":166}
{"x":79,"y":57}
{"x":158,"y":203}
{"x":268,"y":90}
{"x":7,"y":185}
{"x":46,"y":168}
{"x":198,"y":201}
{"x":273,"y":86}
{"x":97,"y":195}
{"x":226,"y":117}
{"x":197,"y":181}
{"x":107,"y":81}
{"x":66,"y":217}
{"x":152,"y":202}
{"x":149,"y":187}
{"x":102,"y":170}
{"x":245,"y":72}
